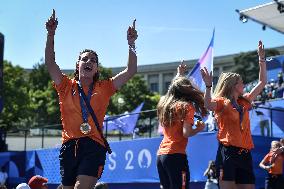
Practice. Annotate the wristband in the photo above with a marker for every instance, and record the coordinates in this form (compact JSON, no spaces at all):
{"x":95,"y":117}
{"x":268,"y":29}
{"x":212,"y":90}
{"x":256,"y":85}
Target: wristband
{"x":132,"y":48}
{"x":208,"y":86}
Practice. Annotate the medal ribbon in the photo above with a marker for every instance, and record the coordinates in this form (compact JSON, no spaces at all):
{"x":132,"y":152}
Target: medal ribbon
{"x":84,"y":110}
{"x":240,"y":110}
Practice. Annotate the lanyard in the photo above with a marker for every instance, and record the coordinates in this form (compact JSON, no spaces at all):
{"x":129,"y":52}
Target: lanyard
{"x":82,"y":103}
{"x":240,"y":110}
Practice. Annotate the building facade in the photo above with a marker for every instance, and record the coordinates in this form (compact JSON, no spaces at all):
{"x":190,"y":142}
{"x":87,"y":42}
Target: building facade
{"x":159,"y":76}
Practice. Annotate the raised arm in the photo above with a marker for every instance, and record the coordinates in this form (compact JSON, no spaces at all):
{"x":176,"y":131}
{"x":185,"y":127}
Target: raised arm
{"x":53,"y":68}
{"x":122,"y":77}
{"x":181,"y":69}
{"x":208,"y":78}
{"x":262,"y":73}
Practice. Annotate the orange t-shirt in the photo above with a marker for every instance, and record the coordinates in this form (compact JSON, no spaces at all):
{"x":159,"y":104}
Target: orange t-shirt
{"x":174,"y":141}
{"x":231,"y":132}
{"x":70,"y":108}
{"x":277,"y":167}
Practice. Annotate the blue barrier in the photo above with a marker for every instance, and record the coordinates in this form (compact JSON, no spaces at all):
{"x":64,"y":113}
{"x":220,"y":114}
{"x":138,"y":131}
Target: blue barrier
{"x":276,"y":114}
{"x":132,"y":161}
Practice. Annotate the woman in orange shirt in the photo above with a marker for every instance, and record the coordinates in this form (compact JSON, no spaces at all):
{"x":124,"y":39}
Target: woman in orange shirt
{"x":231,"y":106}
{"x":176,"y":114}
{"x":83,"y":104}
{"x":274,"y":180}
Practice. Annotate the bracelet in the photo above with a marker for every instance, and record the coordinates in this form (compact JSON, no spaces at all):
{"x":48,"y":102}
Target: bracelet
{"x":208,"y":86}
{"x":132,"y":48}
{"x":261,"y":59}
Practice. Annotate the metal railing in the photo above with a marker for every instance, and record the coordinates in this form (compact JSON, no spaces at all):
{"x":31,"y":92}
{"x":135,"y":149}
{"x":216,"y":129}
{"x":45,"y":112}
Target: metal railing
{"x":271,"y":113}
{"x":46,"y":136}
{"x":50,"y":135}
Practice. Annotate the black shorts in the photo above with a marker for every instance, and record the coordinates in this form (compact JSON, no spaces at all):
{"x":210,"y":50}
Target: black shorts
{"x":173,"y":171}
{"x":234,"y":164}
{"x":274,"y":182}
{"x":82,"y":156}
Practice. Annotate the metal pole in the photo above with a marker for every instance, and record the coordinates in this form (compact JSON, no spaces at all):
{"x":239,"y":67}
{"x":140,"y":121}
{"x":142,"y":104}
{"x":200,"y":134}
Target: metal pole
{"x":42,"y":137}
{"x":150,"y":128}
{"x":271,"y":122}
{"x":120,"y":135}
{"x":26,"y":133}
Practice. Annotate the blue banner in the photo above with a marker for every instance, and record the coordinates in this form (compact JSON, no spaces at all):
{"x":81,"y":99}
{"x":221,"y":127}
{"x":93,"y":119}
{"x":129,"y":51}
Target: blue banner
{"x":135,"y":161}
{"x":132,"y":161}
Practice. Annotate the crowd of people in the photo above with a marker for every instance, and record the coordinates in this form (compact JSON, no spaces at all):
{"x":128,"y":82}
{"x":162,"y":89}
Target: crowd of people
{"x":273,"y":89}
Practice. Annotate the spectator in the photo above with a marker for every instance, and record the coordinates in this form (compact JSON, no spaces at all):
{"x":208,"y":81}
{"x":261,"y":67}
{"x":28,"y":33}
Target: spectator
{"x":23,"y":186}
{"x":101,"y":185}
{"x":279,"y":151}
{"x":274,"y":180}
{"x":280,"y":78}
{"x":211,"y":122}
{"x":212,"y":181}
{"x":263,"y":123}
{"x":3,"y":176}
{"x":38,"y":182}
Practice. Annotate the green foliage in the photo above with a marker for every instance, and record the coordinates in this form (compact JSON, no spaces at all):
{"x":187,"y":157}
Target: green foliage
{"x":246,"y":64}
{"x":133,"y":93}
{"x":15,"y":95}
{"x":43,"y":97}
{"x":30,"y":99}
{"x":39,"y":76}
{"x":105,"y":73}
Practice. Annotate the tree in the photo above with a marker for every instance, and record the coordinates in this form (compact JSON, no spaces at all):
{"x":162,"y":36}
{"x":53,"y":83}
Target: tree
{"x":16,"y":98}
{"x":134,"y":92}
{"x":43,"y":98}
{"x":105,"y":73}
{"x":246,"y":64}
{"x":39,"y":76}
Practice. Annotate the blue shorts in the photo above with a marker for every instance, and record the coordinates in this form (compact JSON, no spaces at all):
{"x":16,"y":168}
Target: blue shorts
{"x":234,"y":164}
{"x":173,"y":171}
{"x":82,"y":156}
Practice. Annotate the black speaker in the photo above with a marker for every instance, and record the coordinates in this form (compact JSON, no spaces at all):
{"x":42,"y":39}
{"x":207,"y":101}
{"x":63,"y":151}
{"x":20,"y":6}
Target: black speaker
{"x":1,"y":70}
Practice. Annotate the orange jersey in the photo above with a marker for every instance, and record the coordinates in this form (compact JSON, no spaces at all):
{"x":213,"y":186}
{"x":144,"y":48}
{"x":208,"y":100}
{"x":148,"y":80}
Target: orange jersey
{"x":174,"y":141}
{"x":277,"y":166}
{"x":231,"y":132}
{"x":71,"y":115}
